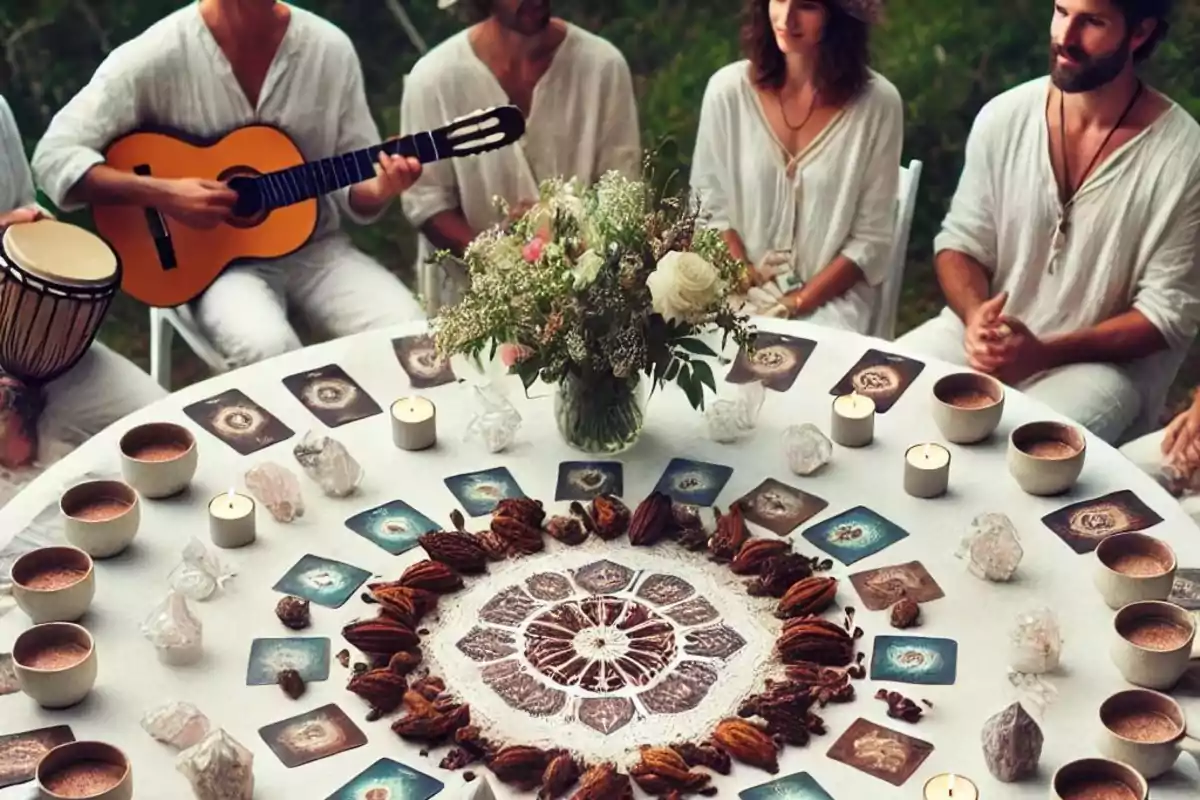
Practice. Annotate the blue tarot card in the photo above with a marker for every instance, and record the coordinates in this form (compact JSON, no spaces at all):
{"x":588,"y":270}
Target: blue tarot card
{"x":914,"y":659}
{"x":394,"y":526}
{"x":322,"y":581}
{"x":693,"y":483}
{"x":586,"y":480}
{"x":480,"y":492}
{"x":855,"y":534}
{"x":307,"y":655}
{"x":800,"y":786}
{"x":389,"y":780}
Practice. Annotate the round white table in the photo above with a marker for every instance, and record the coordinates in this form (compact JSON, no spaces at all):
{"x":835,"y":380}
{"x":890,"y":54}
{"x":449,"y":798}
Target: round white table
{"x":977,"y":614}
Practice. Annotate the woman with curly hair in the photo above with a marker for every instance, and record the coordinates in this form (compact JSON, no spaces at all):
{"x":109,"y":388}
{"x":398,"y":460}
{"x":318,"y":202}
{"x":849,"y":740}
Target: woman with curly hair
{"x":797,"y":159}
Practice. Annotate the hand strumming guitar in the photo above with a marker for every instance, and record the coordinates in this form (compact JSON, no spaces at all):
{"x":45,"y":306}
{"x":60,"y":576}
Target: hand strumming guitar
{"x":198,"y":203}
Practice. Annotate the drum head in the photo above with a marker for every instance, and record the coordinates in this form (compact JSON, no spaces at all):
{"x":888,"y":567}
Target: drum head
{"x":61,"y":253}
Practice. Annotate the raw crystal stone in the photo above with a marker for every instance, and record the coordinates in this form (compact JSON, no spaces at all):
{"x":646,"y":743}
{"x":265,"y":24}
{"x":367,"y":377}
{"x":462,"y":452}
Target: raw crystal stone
{"x":496,"y":420}
{"x":277,"y":488}
{"x":218,"y":768}
{"x":329,"y":463}
{"x":478,"y":789}
{"x":178,"y":724}
{"x":808,"y":449}
{"x":199,"y":574}
{"x":174,"y":631}
{"x":751,"y":397}
{"x":722,"y":419}
{"x":1012,"y":744}
{"x":1036,"y":642}
{"x":991,"y":547}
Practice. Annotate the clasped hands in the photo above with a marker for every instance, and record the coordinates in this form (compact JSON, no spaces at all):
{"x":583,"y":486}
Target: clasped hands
{"x":1003,"y":346}
{"x":763,"y":294}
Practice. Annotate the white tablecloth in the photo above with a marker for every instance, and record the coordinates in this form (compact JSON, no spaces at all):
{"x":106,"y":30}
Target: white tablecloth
{"x":978,"y":615}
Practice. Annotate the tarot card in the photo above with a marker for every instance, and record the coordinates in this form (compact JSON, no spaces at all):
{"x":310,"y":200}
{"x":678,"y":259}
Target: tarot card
{"x":322,"y":581}
{"x":394,"y":526}
{"x":914,"y":659}
{"x":693,"y":483}
{"x":880,"y":588}
{"x":780,"y":508}
{"x":855,"y":534}
{"x":239,"y":422}
{"x":480,"y":492}
{"x":318,"y":734}
{"x":419,"y":358}
{"x":8,"y":675}
{"x":776,"y":361}
{"x":1186,"y":591}
{"x":800,"y":786}
{"x":880,"y":752}
{"x":1085,"y":524}
{"x":389,"y":780}
{"x":585,"y":480}
{"x":332,"y":396}
{"x":881,"y":376}
{"x":21,"y":752}
{"x":307,"y":655}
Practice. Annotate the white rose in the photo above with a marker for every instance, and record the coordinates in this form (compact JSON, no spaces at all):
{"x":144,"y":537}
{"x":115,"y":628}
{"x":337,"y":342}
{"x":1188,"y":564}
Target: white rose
{"x":683,"y":286}
{"x":586,"y":268}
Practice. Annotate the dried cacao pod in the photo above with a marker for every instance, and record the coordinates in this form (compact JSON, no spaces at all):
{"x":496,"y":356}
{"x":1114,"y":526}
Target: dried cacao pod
{"x":568,"y":530}
{"x":747,"y":743}
{"x":816,"y":640}
{"x":380,"y":636}
{"x":662,"y":771}
{"x":520,"y":766}
{"x":455,"y":549}
{"x":750,"y":558}
{"x":431,"y":576}
{"x":522,"y":509}
{"x":806,"y":597}
{"x":651,"y":521}
{"x":603,"y":782}
{"x":905,"y":613}
{"x":383,"y":689}
{"x":404,"y":662}
{"x":405,"y":605}
{"x":493,"y":544}
{"x":561,"y":774}
{"x":432,"y":728}
{"x":731,"y":534}
{"x":609,"y":516}
{"x":519,"y":537}
{"x":778,"y":573}
{"x":705,"y":755}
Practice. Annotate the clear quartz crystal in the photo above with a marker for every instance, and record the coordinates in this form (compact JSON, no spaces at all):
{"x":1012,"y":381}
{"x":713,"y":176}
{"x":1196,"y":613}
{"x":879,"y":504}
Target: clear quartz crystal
{"x":478,"y":789}
{"x":218,"y":768}
{"x":808,"y":449}
{"x":178,"y":724}
{"x":174,"y":631}
{"x":1036,"y":642}
{"x":722,"y":419}
{"x":496,"y":420}
{"x":200,"y":573}
{"x":991,"y":547}
{"x":751,"y":397}
{"x":277,"y":488}
{"x":329,"y":463}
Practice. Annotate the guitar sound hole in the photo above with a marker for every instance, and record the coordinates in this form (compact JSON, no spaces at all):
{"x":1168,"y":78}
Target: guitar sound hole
{"x":249,"y":209}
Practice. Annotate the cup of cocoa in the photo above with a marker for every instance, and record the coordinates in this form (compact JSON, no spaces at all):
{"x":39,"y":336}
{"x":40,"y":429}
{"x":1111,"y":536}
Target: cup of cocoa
{"x":1146,"y":730}
{"x":967,"y":406}
{"x":54,"y":584}
{"x":1154,"y":643}
{"x":55,"y":663}
{"x":92,"y":770}
{"x":102,"y":516}
{"x":1132,"y":567}
{"x":158,"y":459}
{"x":1046,"y":458}
{"x":1098,"y":779}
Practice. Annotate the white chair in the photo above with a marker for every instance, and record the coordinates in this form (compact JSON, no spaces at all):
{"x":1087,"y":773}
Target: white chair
{"x":887,"y":300}
{"x":164,"y":324}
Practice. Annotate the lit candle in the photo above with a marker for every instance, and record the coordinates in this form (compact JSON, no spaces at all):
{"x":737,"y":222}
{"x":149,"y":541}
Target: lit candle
{"x":853,"y":423}
{"x":950,"y":787}
{"x":231,"y":520}
{"x":926,"y":470}
{"x":414,"y":423}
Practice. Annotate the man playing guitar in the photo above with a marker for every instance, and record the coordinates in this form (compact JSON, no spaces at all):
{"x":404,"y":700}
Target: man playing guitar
{"x":206,"y":69}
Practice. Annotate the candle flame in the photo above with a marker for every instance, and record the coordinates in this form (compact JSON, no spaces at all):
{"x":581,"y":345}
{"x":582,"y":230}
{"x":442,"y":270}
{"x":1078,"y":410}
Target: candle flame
{"x":230,"y":495}
{"x":927,"y":458}
{"x":953,"y":779}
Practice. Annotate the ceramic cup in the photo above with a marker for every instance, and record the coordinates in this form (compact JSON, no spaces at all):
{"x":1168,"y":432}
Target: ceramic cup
{"x":55,"y":663}
{"x":1096,"y":778}
{"x":102,"y":517}
{"x":1145,"y":730}
{"x":1045,"y":458}
{"x":158,"y":459}
{"x":94,"y":770}
{"x":967,"y":406}
{"x":54,"y":584}
{"x":1153,"y":643}
{"x":1132,"y":567}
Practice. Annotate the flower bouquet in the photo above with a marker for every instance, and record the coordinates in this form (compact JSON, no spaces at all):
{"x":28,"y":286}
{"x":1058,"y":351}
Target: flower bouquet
{"x":602,"y":291}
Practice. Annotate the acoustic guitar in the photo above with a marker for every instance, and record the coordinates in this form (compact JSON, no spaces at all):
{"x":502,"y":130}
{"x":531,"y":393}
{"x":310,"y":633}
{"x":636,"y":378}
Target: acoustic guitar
{"x":166,"y":263}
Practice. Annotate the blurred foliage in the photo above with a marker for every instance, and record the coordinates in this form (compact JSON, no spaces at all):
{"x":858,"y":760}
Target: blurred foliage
{"x":946,"y":59}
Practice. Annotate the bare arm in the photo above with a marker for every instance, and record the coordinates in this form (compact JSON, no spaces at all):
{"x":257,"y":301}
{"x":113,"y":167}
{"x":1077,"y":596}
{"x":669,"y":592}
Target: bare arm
{"x":839,"y":277}
{"x":103,"y":185}
{"x":448,"y":230}
{"x":1125,"y":337}
{"x":964,"y":282}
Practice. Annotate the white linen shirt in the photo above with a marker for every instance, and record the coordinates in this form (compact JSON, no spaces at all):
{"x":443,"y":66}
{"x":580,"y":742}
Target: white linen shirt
{"x":175,"y":75}
{"x":16,"y":182}
{"x":836,"y":197}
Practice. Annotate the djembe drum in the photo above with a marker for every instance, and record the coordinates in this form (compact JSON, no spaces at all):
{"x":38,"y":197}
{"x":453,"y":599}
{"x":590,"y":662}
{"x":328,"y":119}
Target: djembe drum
{"x":56,"y":283}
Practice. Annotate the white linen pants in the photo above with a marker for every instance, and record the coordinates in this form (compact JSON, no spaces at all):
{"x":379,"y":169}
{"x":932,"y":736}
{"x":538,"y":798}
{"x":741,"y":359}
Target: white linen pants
{"x":339,"y":288}
{"x":1146,"y":453}
{"x":1100,"y":397}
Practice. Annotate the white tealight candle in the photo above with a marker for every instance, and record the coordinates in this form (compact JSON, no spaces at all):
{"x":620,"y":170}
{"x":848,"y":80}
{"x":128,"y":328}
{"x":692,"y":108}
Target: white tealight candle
{"x":231,"y":520}
{"x":853,"y":423}
{"x":950,"y":787}
{"x":414,"y":423}
{"x":926,"y":470}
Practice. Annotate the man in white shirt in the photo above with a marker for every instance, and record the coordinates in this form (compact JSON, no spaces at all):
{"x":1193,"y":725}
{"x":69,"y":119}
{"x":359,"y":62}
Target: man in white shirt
{"x":575,"y":89}
{"x":209,"y":68}
{"x":1069,"y":254}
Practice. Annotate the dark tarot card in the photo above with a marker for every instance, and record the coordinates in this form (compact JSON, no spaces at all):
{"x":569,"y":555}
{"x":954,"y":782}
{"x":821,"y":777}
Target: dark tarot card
{"x":238,"y":421}
{"x":394,"y":526}
{"x":389,"y":780}
{"x":318,"y":734}
{"x":855,"y":534}
{"x":332,"y":396}
{"x":914,"y":659}
{"x":308,"y":655}
{"x":586,"y":480}
{"x":693,"y":483}
{"x":883,"y":377}
{"x":21,"y":752}
{"x":322,"y":581}
{"x":880,"y":752}
{"x":780,"y":508}
{"x":776,"y":360}
{"x":1085,"y":524}
{"x":419,"y":358}
{"x":800,"y":786}
{"x":1186,"y":591}
{"x":480,"y":492}
{"x":881,"y":588}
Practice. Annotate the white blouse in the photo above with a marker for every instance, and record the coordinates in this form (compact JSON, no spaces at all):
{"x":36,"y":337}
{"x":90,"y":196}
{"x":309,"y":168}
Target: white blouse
{"x":836,"y":197}
{"x":16,"y":182}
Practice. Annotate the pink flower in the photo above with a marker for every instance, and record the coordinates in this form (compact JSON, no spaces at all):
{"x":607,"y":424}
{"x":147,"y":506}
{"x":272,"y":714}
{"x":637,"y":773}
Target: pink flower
{"x":532,"y":252}
{"x":511,"y":354}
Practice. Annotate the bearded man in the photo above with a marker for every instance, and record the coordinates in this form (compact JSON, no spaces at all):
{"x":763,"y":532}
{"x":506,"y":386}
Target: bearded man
{"x":1068,"y":258}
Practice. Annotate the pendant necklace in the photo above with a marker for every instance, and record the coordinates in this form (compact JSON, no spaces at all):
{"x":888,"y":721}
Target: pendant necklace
{"x":812,"y":106}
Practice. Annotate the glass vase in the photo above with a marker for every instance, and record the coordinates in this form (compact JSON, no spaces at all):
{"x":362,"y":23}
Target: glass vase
{"x":600,"y":414}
